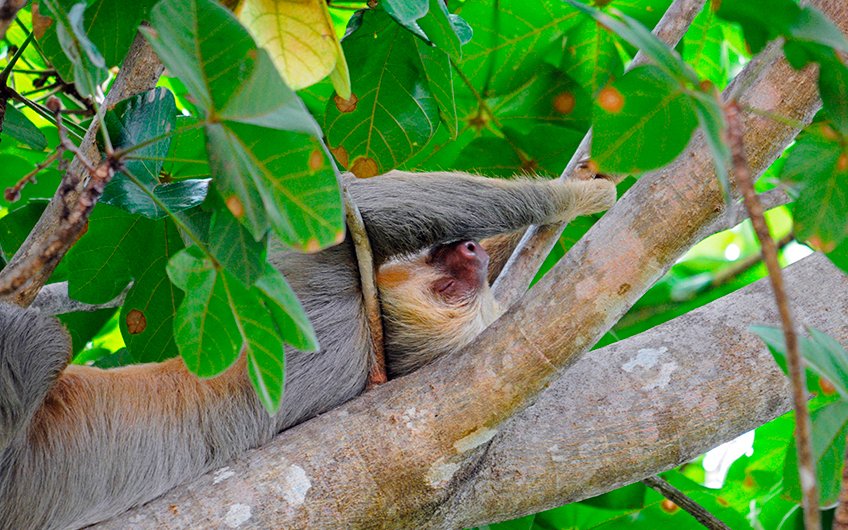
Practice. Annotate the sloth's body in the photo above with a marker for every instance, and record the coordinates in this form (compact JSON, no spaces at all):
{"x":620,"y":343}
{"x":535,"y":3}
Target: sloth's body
{"x":79,"y":444}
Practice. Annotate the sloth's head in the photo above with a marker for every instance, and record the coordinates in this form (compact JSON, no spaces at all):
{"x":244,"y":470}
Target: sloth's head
{"x":434,"y":303}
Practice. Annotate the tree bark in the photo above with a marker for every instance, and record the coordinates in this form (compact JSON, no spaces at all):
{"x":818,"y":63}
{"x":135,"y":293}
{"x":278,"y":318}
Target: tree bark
{"x":655,"y":401}
{"x":394,"y":456}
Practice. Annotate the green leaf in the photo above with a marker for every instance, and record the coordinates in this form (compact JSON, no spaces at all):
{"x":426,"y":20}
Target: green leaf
{"x":833,"y":87}
{"x":100,"y":263}
{"x":16,"y":125}
{"x":591,"y":57}
{"x":830,"y":427}
{"x":817,"y":167}
{"x":637,"y":35}
{"x":407,"y":12}
{"x":642,"y":121}
{"x":141,"y":119}
{"x":219,"y":319}
{"x":233,"y":246}
{"x":279,"y":179}
{"x":392,"y":114}
{"x":111,"y":26}
{"x":89,"y":67}
{"x":711,"y":119}
{"x":148,"y":312}
{"x":512,"y":39}
{"x":236,"y":82}
{"x":15,"y":167}
{"x":704,"y":47}
{"x":187,"y":156}
{"x":439,"y":29}
{"x":437,"y":67}
{"x":822,"y":354}
{"x":813,"y":26}
{"x":288,"y":314}
{"x":758,"y":29}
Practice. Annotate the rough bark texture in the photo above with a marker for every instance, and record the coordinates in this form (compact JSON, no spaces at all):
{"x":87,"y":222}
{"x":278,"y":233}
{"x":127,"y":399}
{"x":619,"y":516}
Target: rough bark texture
{"x":394,"y":456}
{"x":630,"y":410}
{"x":140,"y":71}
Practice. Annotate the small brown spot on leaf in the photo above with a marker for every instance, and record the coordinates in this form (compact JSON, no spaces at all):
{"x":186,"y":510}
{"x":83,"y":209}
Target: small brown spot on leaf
{"x":340,"y":236}
{"x":312,"y":246}
{"x":564,"y":102}
{"x":749,"y":482}
{"x":827,"y":387}
{"x":707,"y":86}
{"x":819,"y":244}
{"x":364,"y":167}
{"x":668,"y":506}
{"x":611,"y":100}
{"x":623,"y":289}
{"x":346,"y":105}
{"x":842,"y":163}
{"x":828,"y":132}
{"x":341,"y":155}
{"x":235,"y":206}
{"x":136,"y":322}
{"x":722,"y":501}
{"x":252,"y":54}
{"x":316,"y":160}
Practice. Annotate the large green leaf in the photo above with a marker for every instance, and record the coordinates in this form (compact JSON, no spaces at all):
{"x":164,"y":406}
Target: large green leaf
{"x":822,"y":354}
{"x":591,"y":57}
{"x":236,"y":82}
{"x":437,"y":67}
{"x":833,"y":87}
{"x":139,"y":120}
{"x":222,"y":317}
{"x":280,"y":179}
{"x":147,"y":315}
{"x":640,"y":37}
{"x":18,"y":127}
{"x":703,"y":47}
{"x":642,"y":121}
{"x":817,"y":167}
{"x":109,"y":25}
{"x":511,"y":40}
{"x":392,"y":113}
{"x":263,"y":145}
{"x":440,"y":30}
{"x":830,"y":427}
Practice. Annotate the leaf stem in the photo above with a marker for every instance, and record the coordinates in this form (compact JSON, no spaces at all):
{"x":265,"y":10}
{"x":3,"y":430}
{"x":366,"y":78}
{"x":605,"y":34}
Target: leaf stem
{"x":701,"y":514}
{"x":7,"y":70}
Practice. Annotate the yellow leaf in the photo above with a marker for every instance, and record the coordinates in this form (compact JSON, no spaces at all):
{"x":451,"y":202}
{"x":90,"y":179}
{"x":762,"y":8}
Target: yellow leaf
{"x":299,"y":36}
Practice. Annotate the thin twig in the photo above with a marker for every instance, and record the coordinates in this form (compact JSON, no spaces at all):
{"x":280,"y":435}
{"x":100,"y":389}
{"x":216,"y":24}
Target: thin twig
{"x":684,"y":501}
{"x":14,"y":193}
{"x":53,"y":299}
{"x":539,"y":240}
{"x":370,"y":295}
{"x":738,"y":267}
{"x":745,"y":183}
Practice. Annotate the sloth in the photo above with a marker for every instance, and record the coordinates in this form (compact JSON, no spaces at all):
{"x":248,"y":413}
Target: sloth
{"x":79,"y":444}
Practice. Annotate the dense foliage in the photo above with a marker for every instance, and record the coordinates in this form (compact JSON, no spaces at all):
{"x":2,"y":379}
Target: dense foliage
{"x":241,"y":140}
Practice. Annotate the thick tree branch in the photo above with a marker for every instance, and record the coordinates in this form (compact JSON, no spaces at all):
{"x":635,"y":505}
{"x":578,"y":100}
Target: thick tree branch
{"x":141,"y":70}
{"x":395,"y":454}
{"x":654,"y":401}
